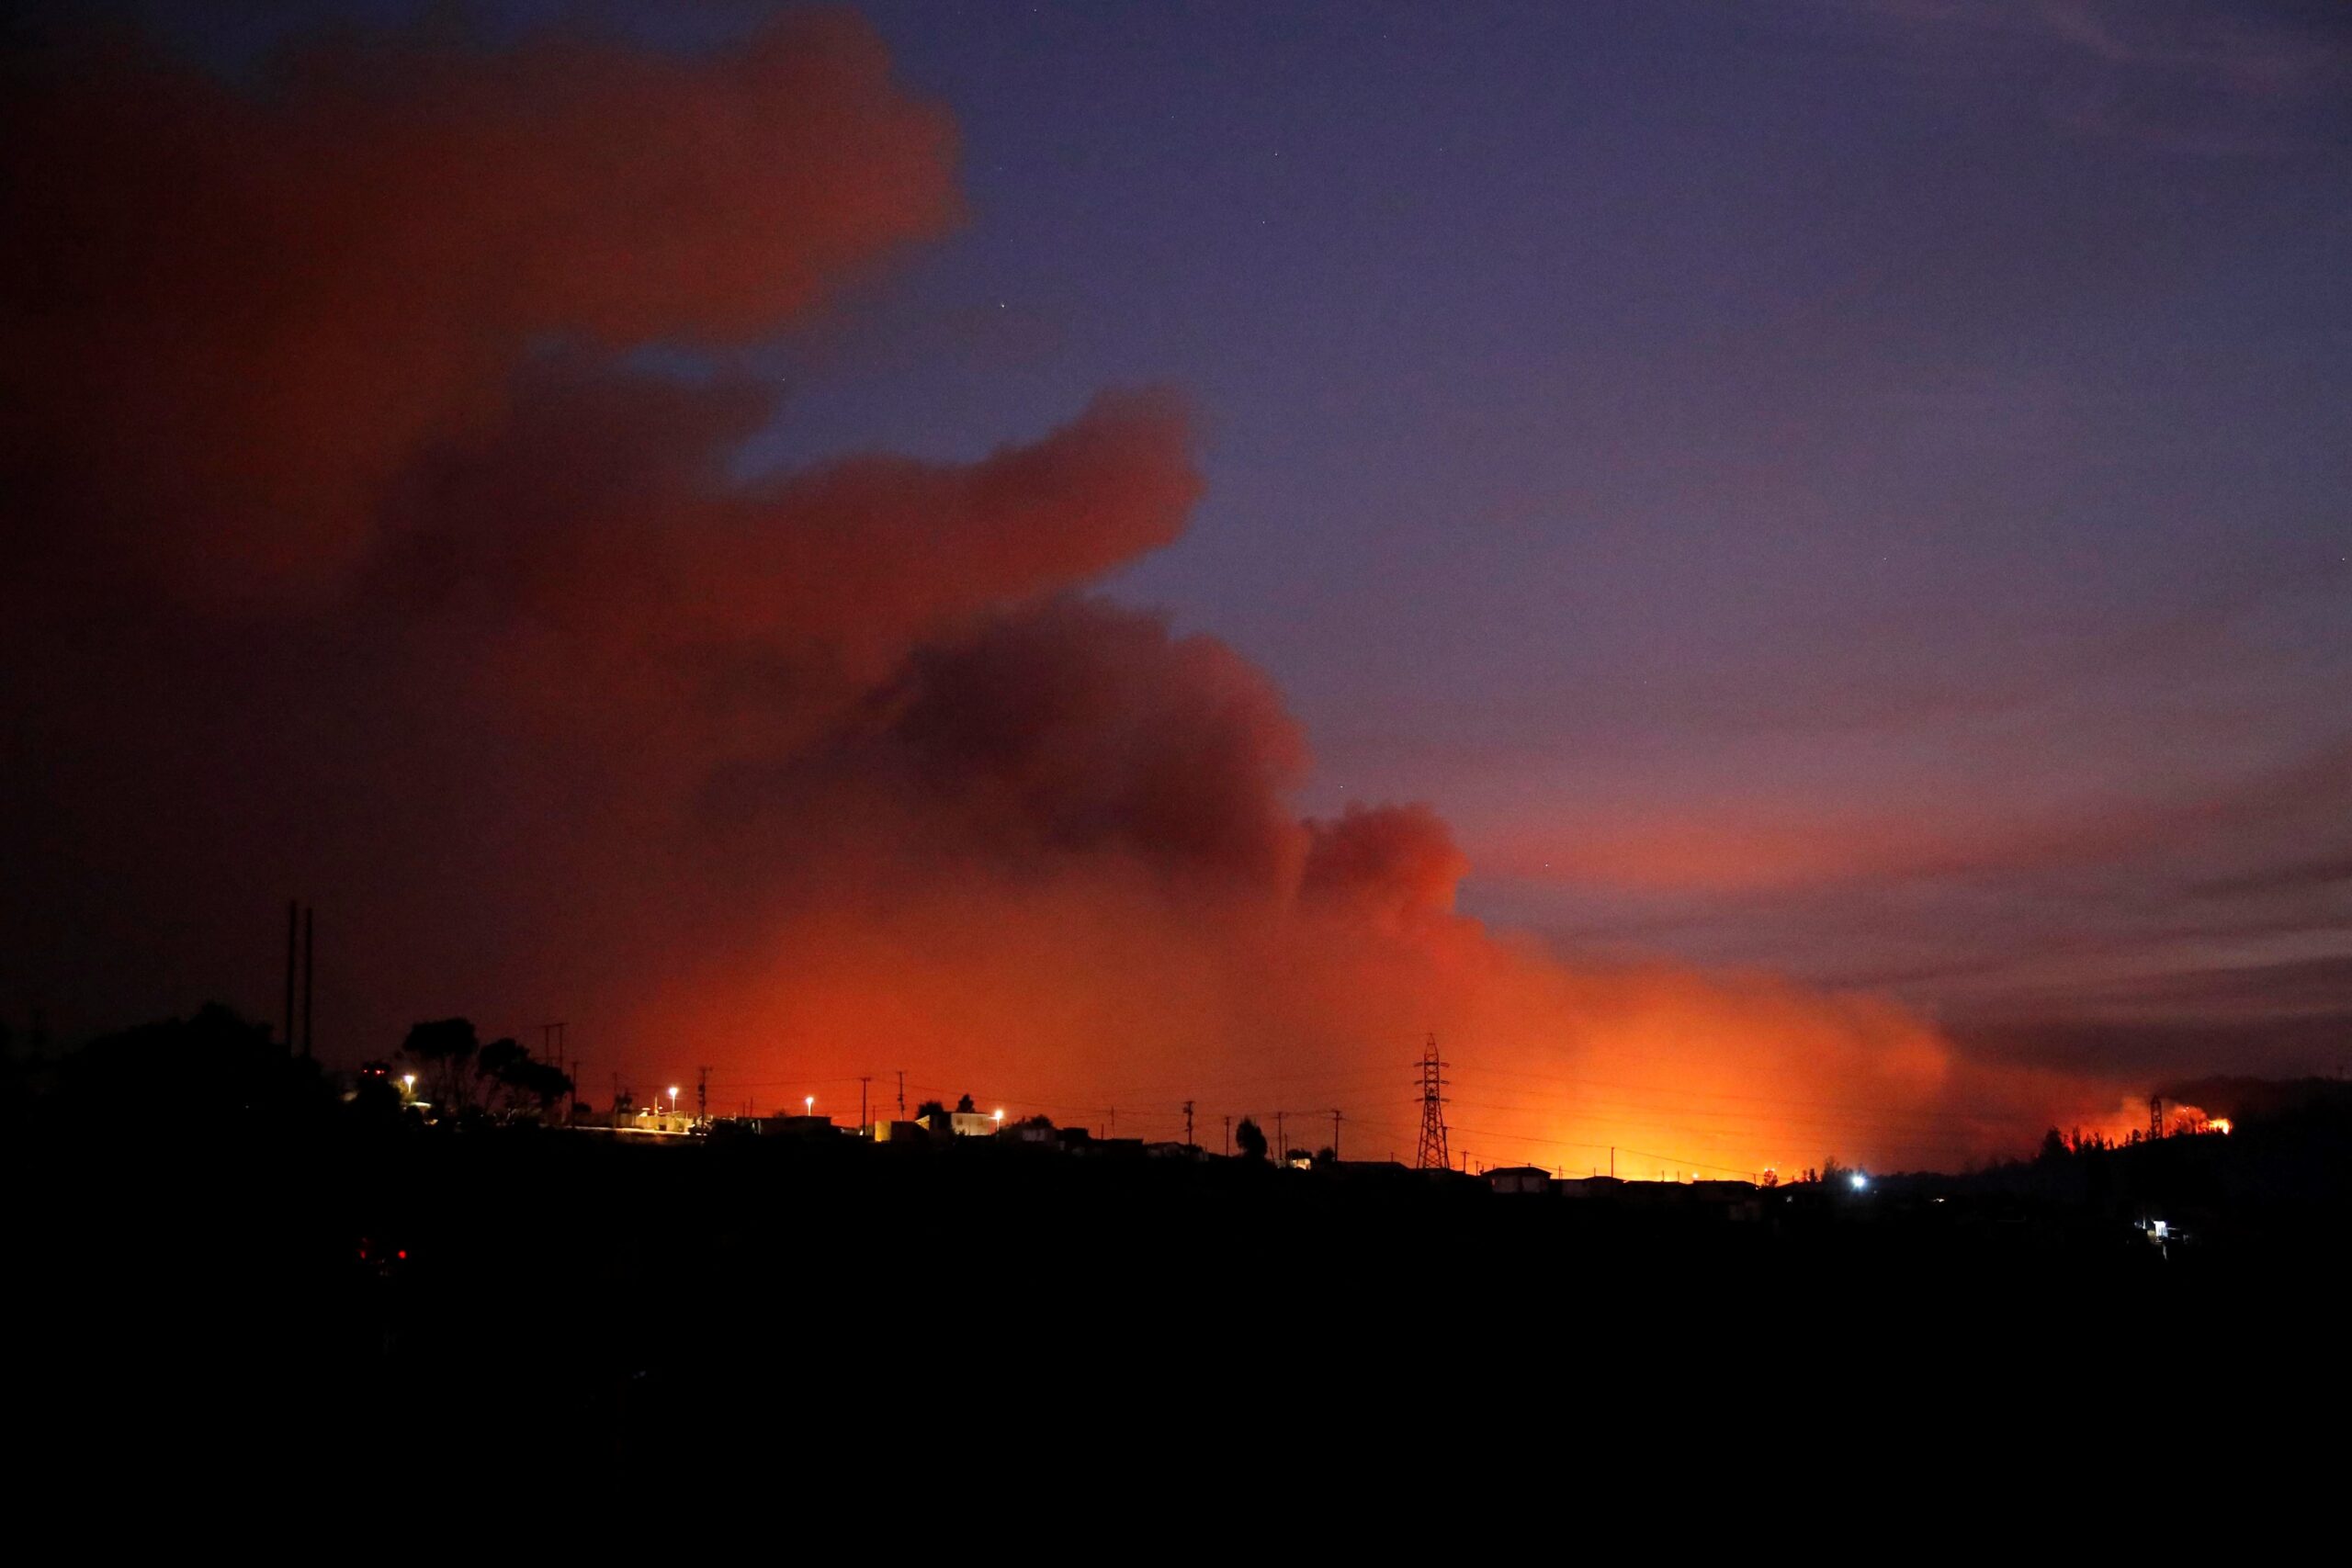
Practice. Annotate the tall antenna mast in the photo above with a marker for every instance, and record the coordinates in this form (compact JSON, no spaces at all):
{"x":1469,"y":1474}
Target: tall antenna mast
{"x":1432,"y":1154}
{"x":310,"y":969}
{"x":293,"y":916}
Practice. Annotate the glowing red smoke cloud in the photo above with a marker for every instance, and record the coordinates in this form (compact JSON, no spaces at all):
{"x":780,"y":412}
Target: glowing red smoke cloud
{"x":242,"y":317}
{"x":351,"y":557}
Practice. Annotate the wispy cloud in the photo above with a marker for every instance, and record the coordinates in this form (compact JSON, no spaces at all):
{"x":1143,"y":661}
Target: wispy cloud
{"x":2205,"y":80}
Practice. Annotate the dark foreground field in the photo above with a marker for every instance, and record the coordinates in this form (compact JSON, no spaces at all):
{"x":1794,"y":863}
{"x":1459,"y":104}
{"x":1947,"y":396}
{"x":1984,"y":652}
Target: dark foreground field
{"x":559,"y":1309}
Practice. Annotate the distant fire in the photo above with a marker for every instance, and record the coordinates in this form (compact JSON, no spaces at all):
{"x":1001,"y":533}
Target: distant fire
{"x":2190,"y":1122}
{"x":889,"y":782}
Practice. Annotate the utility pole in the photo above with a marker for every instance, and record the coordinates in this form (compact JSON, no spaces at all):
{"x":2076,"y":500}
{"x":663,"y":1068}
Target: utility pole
{"x":1432,"y":1154}
{"x":864,"y":1080}
{"x":1282,"y":1141}
{"x":1188,"y":1123}
{"x":1113,"y":1114}
{"x":551,"y":1044}
{"x":300,"y":922}
{"x":2156,"y":1117}
{"x":1228,"y":1134}
{"x":1336,"y":1119}
{"x":902,"y":1094}
{"x":702,"y":1094}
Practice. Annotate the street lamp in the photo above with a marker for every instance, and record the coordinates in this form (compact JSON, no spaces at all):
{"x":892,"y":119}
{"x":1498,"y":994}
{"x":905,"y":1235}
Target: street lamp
{"x":408,"y":1083}
{"x":674,"y":1099}
{"x":1000,"y":1120}
{"x":808,"y":1105}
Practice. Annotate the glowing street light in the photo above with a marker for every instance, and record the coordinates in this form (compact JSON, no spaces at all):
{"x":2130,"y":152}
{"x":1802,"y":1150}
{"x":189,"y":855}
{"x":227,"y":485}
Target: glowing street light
{"x":1000,"y":1119}
{"x":808,"y":1105}
{"x":408,"y":1083}
{"x":674,"y":1099}
{"x":1861,"y":1181}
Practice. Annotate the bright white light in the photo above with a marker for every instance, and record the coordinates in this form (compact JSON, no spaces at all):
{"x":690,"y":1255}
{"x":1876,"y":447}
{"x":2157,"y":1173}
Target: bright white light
{"x":1861,"y":1181}
{"x":1000,"y":1116}
{"x":809,"y":1103}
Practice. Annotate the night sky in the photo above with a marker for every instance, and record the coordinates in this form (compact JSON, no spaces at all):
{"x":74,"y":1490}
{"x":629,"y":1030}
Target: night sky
{"x":1828,"y":518}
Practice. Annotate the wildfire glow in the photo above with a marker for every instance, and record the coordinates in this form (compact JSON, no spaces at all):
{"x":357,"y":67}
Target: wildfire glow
{"x":889,"y":784}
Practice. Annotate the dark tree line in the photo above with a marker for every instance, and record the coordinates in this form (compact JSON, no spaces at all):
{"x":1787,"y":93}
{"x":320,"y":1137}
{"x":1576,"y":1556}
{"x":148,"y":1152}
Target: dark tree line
{"x":461,"y":1074}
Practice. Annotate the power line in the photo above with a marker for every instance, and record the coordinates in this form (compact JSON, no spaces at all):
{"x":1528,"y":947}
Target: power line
{"x":1950,"y":1114}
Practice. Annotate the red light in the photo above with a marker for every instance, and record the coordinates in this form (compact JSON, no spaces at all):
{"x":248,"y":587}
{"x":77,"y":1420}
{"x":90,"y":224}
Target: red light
{"x":403,"y":1252}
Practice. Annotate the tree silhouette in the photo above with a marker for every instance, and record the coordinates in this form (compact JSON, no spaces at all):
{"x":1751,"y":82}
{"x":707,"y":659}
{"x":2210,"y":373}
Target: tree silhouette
{"x":444,"y":1051}
{"x":188,"y":1070}
{"x":461,"y":1074}
{"x":519,"y":1081}
{"x":1249,"y":1139}
{"x":499,"y":1061}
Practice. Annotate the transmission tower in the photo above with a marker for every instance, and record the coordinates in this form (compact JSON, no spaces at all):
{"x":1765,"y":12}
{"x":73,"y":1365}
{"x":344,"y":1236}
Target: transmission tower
{"x":2156,"y":1117}
{"x":1432,"y":1154}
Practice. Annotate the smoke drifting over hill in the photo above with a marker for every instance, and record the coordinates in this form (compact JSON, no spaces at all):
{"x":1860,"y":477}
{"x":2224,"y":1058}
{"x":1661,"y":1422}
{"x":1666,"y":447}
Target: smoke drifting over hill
{"x":351,"y":551}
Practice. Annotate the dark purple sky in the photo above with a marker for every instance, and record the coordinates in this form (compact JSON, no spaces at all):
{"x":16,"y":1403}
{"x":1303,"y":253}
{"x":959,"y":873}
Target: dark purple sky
{"x":1855,"y":487}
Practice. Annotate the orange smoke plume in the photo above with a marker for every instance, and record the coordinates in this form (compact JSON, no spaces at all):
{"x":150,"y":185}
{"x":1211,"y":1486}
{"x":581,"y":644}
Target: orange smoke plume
{"x":332,"y":573}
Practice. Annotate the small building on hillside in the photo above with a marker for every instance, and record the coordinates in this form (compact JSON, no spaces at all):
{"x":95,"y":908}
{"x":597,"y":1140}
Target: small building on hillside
{"x":963,"y":1123}
{"x":1590,"y":1186}
{"x":1519,"y":1178}
{"x":801,"y":1127}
